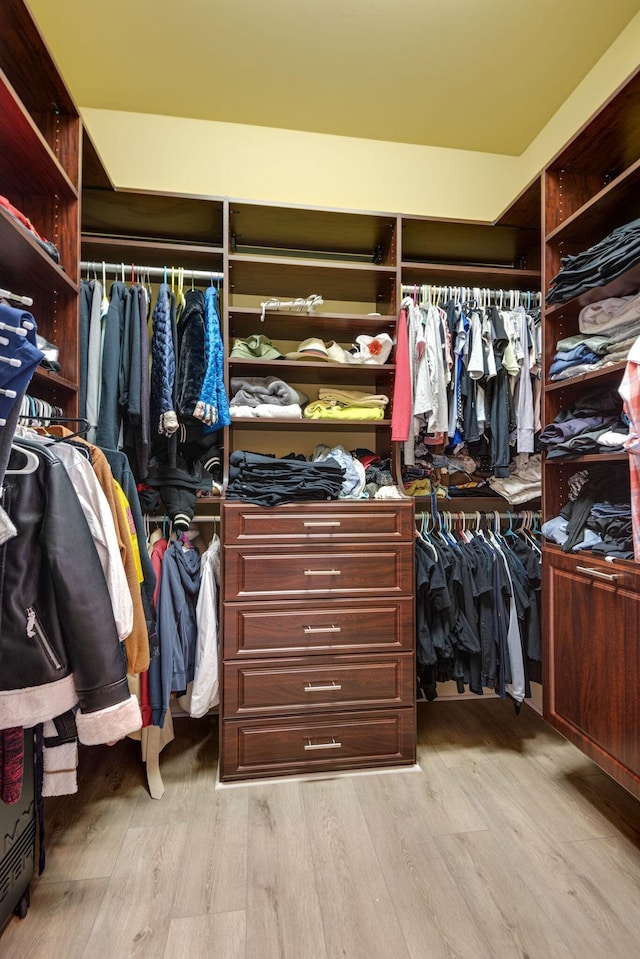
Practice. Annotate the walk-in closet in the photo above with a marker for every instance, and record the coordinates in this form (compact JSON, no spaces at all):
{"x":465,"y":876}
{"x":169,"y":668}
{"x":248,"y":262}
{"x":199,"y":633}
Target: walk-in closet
{"x":319,"y":490}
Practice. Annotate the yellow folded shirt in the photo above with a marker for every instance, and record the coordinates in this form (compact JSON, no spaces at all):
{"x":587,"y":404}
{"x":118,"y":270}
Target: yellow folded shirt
{"x":352,"y":397}
{"x":319,"y":410}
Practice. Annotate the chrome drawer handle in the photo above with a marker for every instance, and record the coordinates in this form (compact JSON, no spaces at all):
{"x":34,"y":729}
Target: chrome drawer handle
{"x":329,"y":522}
{"x":322,"y":572}
{"x":310,"y":688}
{"x":323,"y":629}
{"x":611,"y":577}
{"x":334,"y":744}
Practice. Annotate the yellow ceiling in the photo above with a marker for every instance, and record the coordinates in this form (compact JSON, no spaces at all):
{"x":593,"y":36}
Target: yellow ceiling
{"x":473,"y":74}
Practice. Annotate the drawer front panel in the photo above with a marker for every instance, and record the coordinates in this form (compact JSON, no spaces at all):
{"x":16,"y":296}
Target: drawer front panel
{"x":252,"y":574}
{"x":295,"y":686}
{"x":262,"y":629}
{"x":254,"y":748}
{"x":374,"y":521}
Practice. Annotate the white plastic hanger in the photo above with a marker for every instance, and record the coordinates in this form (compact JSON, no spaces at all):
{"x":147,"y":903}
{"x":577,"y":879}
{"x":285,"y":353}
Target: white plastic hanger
{"x":32,"y":464}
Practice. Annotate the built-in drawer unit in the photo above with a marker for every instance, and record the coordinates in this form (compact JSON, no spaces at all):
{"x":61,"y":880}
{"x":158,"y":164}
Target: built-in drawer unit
{"x":375,"y":522}
{"x":261,"y":573}
{"x":317,"y":627}
{"x":318,"y":668}
{"x":299,"y":685}
{"x":266,"y":747}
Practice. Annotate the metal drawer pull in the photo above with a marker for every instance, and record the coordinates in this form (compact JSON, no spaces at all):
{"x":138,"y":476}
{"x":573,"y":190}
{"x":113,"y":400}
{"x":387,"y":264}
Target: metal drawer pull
{"x":334,"y":744}
{"x":328,"y":522}
{"x":322,"y":572}
{"x":612,"y":577}
{"x":323,"y":629}
{"x":310,"y":688}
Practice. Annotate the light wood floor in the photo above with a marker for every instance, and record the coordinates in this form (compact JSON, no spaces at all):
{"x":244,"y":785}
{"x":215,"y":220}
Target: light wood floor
{"x":507,"y":845}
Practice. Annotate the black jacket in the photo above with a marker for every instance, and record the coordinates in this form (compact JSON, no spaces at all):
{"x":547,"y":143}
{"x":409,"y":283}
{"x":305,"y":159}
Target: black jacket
{"x":59,"y":645}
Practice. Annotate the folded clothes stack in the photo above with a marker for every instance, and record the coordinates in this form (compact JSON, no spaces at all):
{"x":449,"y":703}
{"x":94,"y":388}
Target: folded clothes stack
{"x":265,"y":397}
{"x":336,"y":404}
{"x":524,"y":482}
{"x":586,"y":426}
{"x":608,"y":330}
{"x":597,"y":519}
{"x":269,"y":481}
{"x":601,"y":263}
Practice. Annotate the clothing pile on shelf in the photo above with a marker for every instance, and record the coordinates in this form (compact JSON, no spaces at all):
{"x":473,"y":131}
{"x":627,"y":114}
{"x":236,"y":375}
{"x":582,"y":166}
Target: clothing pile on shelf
{"x":330,"y":473}
{"x":593,"y":424}
{"x":270,"y":481}
{"x":467,"y":379}
{"x":339,"y":404}
{"x":478,"y":612}
{"x":630,"y":392}
{"x":265,"y":397}
{"x":47,"y":245}
{"x":597,"y":516}
{"x":366,"y":350}
{"x":186,"y":599}
{"x":598,"y":265}
{"x":145,"y":372}
{"x":608,"y":330}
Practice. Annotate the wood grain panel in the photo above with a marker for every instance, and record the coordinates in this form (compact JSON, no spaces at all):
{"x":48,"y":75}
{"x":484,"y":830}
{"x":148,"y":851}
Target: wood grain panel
{"x":295,"y":685}
{"x":374,"y":521}
{"x":271,"y":747}
{"x":268,"y":629}
{"x":368,"y":571}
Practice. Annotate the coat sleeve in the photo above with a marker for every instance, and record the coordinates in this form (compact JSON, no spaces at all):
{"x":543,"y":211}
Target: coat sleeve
{"x":107,"y":710}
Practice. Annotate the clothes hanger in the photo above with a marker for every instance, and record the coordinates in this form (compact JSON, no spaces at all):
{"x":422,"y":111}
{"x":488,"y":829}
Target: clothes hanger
{"x":32,"y":464}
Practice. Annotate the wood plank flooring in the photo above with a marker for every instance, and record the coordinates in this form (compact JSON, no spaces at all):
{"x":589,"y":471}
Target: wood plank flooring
{"x":508,"y":844}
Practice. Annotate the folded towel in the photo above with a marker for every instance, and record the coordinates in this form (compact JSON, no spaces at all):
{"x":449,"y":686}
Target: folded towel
{"x":266,"y":411}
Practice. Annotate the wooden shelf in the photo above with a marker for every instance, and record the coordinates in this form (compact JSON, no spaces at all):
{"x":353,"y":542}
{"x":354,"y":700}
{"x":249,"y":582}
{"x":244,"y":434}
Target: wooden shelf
{"x":623,"y":285}
{"x":601,"y":374}
{"x":30,"y":165}
{"x":615,"y":204}
{"x":311,"y":230}
{"x":152,"y":253}
{"x":279,"y":324}
{"x":253,"y":422}
{"x":138,"y":215}
{"x":26,"y":268}
{"x":54,"y":380}
{"x":463,"y":274}
{"x":289,"y":277}
{"x":589,"y":458}
{"x":324,"y":373}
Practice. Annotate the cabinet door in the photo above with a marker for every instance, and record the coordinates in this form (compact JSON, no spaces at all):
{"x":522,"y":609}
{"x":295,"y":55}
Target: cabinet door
{"x":592,"y":653}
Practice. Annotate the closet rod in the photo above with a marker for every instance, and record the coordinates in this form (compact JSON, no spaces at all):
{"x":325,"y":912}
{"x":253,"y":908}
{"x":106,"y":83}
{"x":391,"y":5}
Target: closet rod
{"x":96,"y":265}
{"x":199,"y":518}
{"x":490,"y":513}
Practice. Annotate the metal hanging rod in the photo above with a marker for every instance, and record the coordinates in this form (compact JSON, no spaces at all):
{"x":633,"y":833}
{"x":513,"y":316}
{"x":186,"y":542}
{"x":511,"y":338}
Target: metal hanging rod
{"x":482,"y":296}
{"x":163,"y":271}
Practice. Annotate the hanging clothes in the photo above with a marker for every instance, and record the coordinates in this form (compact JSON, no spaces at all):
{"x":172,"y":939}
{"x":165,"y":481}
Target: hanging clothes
{"x":477,"y":613}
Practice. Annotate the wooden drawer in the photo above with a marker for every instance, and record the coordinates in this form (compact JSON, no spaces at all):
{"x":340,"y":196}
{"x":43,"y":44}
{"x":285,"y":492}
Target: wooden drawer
{"x":270,"y":629}
{"x":284,"y":573}
{"x":293,"y":685}
{"x":276,"y":747}
{"x":375,"y":521}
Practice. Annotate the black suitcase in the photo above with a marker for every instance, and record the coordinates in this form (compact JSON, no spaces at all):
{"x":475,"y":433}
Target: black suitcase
{"x":17,"y":843}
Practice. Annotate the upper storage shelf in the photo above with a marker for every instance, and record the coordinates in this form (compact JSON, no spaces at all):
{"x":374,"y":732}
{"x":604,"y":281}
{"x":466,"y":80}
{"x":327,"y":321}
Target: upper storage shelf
{"x":43,"y":94}
{"x":595,"y":177}
{"x":503,"y":254}
{"x":306,"y":232}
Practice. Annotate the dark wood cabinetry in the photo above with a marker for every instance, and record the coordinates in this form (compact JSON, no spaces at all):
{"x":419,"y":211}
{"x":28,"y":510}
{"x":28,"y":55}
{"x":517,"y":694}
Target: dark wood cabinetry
{"x":40,"y":159}
{"x":592,"y":611}
{"x":318,"y":621}
{"x":592,"y":676}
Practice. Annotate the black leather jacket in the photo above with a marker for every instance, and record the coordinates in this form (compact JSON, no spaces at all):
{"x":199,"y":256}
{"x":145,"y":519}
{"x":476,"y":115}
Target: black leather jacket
{"x":59,"y":644}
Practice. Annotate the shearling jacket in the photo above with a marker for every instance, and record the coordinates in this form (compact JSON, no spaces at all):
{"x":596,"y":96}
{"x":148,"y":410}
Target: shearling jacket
{"x":59,"y":645}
